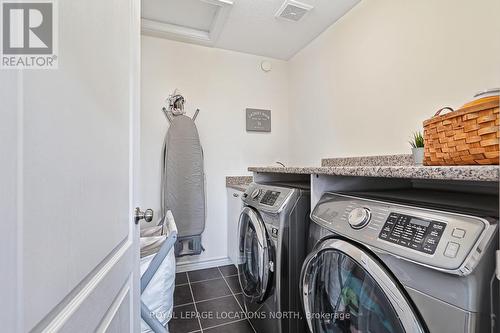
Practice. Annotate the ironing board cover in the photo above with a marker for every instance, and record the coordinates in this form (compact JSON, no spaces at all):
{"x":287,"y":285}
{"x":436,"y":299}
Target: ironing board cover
{"x":183,"y":188}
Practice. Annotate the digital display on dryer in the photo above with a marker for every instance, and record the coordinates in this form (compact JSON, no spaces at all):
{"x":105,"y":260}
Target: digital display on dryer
{"x":270,"y":198}
{"x":420,"y":222}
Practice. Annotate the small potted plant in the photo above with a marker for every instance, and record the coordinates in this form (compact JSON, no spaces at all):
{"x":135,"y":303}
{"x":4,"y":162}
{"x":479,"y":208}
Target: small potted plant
{"x":417,"y":148}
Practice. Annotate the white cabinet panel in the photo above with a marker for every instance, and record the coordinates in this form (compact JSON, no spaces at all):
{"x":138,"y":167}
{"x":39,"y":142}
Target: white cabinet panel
{"x":234,"y":205}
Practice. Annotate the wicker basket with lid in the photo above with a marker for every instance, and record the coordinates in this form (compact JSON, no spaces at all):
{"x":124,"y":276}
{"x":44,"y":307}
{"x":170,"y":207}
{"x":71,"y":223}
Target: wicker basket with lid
{"x":467,"y":136}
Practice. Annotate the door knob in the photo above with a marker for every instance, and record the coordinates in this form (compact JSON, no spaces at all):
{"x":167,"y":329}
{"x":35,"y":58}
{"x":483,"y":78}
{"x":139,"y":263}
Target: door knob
{"x":146,"y":215}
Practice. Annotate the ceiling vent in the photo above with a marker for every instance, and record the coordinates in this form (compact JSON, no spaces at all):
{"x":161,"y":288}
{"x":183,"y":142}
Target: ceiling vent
{"x":293,"y":10}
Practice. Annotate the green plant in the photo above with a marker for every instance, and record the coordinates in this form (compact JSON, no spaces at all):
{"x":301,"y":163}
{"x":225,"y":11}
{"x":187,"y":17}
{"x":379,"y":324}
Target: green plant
{"x":417,"y":141}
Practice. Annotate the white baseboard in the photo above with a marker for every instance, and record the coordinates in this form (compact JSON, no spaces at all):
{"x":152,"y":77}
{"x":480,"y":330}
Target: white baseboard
{"x":202,"y":264}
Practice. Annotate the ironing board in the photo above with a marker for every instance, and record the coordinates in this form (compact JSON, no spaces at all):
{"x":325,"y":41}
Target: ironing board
{"x":183,"y":182}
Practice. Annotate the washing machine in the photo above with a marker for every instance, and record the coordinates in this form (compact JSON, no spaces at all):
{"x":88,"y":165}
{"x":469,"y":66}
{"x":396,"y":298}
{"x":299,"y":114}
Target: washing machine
{"x":273,"y":229}
{"x":402,"y":261}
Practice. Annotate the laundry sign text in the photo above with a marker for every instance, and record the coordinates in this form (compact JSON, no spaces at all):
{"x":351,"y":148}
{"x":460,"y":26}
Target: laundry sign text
{"x":29,"y":34}
{"x":258,"y":120}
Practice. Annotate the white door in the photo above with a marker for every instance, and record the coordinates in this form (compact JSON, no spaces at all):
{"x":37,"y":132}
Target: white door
{"x":68,"y":243}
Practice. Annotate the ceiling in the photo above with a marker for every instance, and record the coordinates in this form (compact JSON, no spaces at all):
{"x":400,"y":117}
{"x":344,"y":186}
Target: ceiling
{"x":248,"y":26}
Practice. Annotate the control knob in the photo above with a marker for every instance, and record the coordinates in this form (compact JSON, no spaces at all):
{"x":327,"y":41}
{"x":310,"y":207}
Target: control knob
{"x":359,"y":217}
{"x":255,"y":194}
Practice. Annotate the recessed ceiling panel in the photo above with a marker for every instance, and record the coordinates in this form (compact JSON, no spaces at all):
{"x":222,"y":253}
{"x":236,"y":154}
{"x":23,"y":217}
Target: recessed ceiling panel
{"x":193,"y":14}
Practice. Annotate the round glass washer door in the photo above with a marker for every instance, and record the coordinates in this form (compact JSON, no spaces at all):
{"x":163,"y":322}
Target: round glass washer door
{"x":254,"y":256}
{"x":345,"y":289}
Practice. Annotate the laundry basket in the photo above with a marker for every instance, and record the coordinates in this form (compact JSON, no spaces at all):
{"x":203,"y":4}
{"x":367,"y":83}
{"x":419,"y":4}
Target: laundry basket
{"x":158,"y":275}
{"x":466,"y":136}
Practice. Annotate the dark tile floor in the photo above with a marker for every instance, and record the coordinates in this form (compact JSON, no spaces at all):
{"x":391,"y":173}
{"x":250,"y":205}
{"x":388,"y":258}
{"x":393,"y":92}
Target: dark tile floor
{"x":209,"y":300}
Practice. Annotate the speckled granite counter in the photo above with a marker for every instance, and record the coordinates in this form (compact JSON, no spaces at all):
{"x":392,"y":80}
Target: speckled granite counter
{"x":392,"y":166}
{"x":466,"y":173}
{"x":380,"y":160}
{"x":238,"y":182}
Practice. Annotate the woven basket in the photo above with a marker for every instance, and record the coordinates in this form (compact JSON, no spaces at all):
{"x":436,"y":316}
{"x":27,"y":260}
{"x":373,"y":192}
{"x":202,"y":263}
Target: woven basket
{"x":466,"y":136}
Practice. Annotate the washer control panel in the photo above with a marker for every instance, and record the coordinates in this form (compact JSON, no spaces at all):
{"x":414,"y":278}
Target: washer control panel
{"x":438,"y":239}
{"x":412,"y":232}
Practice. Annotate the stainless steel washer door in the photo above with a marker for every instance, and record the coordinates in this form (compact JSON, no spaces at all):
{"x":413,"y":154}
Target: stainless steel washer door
{"x":345,"y":289}
{"x":255,"y":265}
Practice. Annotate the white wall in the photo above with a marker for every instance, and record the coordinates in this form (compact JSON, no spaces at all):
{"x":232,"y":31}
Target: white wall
{"x":222,"y":84}
{"x":368,"y":82}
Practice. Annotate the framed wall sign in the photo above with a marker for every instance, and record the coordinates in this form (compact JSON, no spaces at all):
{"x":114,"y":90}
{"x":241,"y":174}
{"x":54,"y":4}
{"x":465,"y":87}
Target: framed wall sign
{"x":258,"y":120}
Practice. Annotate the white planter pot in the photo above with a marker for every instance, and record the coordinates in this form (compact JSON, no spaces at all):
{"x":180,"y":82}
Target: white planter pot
{"x":418,"y":156}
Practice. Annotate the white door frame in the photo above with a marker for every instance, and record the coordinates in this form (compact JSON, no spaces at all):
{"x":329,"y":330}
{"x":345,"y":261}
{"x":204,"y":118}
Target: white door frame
{"x":135,"y":126}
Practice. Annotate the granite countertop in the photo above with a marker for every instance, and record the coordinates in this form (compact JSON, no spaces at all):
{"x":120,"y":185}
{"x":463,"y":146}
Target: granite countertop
{"x":239,"y":183}
{"x":391,"y":166}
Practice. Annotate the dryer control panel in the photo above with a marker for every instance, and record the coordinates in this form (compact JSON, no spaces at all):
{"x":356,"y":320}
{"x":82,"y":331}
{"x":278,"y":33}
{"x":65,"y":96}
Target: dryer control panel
{"x":267,"y":198}
{"x":442,"y":240}
{"x":412,"y":232}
